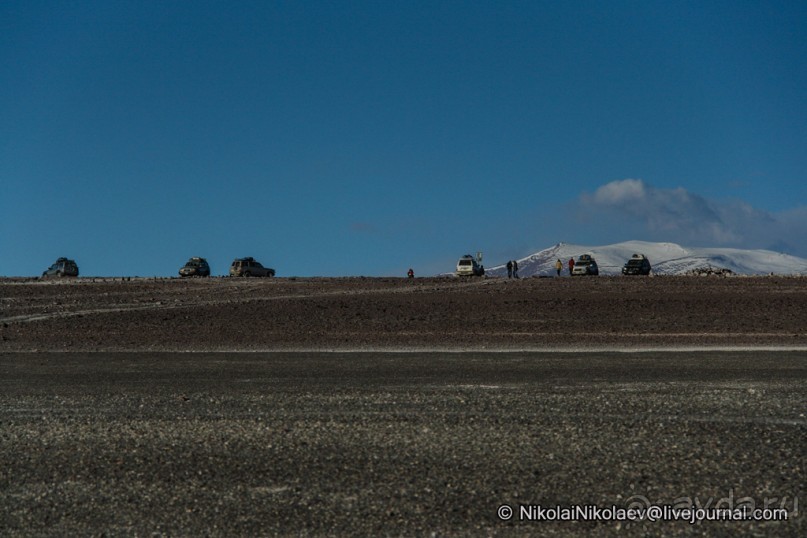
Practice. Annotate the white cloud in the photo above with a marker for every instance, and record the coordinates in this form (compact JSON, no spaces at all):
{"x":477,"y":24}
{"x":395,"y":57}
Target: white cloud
{"x":621,"y":192}
{"x":631,"y":206}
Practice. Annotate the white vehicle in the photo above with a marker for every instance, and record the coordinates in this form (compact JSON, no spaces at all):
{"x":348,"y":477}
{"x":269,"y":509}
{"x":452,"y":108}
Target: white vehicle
{"x":250,"y":267}
{"x":585,"y":265}
{"x":470,"y":266}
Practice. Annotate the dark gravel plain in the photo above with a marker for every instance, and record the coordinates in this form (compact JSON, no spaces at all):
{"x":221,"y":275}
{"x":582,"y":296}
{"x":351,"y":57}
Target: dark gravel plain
{"x":393,"y":444}
{"x":350,"y":314}
{"x":203,"y":408}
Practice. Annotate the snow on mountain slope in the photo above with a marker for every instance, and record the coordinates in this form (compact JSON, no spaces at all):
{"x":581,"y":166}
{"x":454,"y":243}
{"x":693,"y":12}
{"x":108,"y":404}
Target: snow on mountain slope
{"x":666,"y":258}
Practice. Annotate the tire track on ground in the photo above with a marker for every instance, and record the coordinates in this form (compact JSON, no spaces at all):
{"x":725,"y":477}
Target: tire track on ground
{"x":234,"y":299}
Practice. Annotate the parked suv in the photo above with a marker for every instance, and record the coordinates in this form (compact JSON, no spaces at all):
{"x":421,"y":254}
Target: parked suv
{"x":249,"y":267}
{"x":469,"y":266}
{"x":585,"y":265}
{"x":195,"y":267}
{"x":637,"y":265}
{"x":62,"y":267}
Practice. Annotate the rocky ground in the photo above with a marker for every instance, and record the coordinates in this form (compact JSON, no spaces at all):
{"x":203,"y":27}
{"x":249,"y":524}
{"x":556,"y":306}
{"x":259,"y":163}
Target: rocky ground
{"x":106,"y":429}
{"x":391,"y":313}
{"x":385,"y":444}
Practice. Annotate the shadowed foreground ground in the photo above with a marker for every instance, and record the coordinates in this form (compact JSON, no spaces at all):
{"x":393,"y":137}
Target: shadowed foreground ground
{"x":393,"y":444}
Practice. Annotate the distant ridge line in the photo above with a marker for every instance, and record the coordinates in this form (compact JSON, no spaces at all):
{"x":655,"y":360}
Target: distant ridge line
{"x":666,"y":258}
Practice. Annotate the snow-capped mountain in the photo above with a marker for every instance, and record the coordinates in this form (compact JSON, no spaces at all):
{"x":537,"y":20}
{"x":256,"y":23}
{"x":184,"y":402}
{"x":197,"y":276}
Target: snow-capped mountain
{"x":666,"y":258}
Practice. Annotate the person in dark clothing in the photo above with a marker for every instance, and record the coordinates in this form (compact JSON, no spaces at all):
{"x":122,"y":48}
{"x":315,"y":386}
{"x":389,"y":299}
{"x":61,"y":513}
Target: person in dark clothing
{"x":571,"y":265}
{"x":410,"y":273}
{"x":509,"y":269}
{"x":515,"y":269}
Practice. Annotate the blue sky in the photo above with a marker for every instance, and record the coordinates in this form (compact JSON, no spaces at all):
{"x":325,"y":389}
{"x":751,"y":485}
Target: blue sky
{"x":364,"y":138}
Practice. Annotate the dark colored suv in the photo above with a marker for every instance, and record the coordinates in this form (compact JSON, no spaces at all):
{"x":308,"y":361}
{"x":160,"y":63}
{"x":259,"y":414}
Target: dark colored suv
{"x":637,"y":265}
{"x":62,"y":267}
{"x":195,"y":267}
{"x":249,"y":267}
{"x":585,"y":265}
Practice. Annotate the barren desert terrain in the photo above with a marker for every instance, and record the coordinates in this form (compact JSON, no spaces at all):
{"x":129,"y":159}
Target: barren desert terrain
{"x":396,"y":407}
{"x":401,"y":314}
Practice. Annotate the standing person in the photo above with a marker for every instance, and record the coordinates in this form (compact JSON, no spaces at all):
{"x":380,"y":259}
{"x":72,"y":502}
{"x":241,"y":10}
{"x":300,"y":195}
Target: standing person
{"x":515,"y":269}
{"x":571,"y":265}
{"x":410,"y":273}
{"x":509,"y":269}
{"x":558,"y":266}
